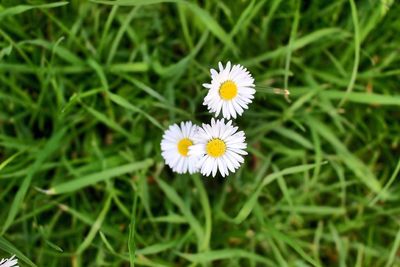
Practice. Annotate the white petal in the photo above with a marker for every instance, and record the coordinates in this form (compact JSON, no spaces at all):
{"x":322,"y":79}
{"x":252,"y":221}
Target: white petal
{"x":214,"y":168}
{"x":169,"y":147}
{"x":246,"y":91}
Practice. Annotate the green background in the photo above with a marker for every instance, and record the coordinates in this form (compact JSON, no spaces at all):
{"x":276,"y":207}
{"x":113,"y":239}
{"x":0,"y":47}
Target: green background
{"x":88,"y":87}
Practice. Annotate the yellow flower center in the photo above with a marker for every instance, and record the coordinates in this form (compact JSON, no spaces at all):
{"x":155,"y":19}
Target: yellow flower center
{"x":183,"y":146}
{"x":215,"y":147}
{"x":228,"y":90}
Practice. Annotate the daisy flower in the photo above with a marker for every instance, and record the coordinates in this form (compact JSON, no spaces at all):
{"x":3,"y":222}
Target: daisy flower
{"x":11,"y":262}
{"x":219,"y":146}
{"x":230,"y":91}
{"x":175,"y":146}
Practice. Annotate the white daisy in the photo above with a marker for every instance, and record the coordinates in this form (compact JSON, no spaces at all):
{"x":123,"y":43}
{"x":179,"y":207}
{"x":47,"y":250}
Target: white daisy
{"x":220,"y":147}
{"x":230,"y":91}
{"x":11,"y":262}
{"x":175,"y":146}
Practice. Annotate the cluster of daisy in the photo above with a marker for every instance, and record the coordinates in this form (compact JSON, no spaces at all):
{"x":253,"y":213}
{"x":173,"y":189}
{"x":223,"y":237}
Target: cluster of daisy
{"x":217,"y":146}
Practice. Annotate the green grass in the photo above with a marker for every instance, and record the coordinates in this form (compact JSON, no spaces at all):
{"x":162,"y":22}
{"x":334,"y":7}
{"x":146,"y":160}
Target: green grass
{"x":87,"y":87}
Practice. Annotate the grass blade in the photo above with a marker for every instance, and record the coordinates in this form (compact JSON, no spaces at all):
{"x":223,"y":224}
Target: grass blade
{"x":207,"y":212}
{"x":251,"y":202}
{"x":12,"y":11}
{"x":49,"y":148}
{"x":5,"y":245}
{"x":297,"y":44}
{"x":95,"y":227}
{"x":94,"y":178}
{"x":394,"y":251}
{"x":125,"y":103}
{"x":353,"y":163}
{"x":356,"y":51}
{"x":205,"y":17}
{"x":131,"y":239}
{"x":356,"y":97}
{"x":7,"y":161}
{"x":173,"y":196}
{"x":210,"y":256}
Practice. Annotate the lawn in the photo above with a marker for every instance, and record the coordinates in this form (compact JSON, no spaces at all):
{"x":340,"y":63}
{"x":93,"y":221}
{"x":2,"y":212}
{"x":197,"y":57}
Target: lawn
{"x":87,"y":89}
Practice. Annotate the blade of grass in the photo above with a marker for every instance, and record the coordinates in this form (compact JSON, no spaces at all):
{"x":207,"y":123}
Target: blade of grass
{"x":15,"y":10}
{"x":173,"y":196}
{"x":60,"y":51}
{"x":339,"y":245}
{"x":318,"y":210}
{"x":157,"y":248}
{"x":297,"y":44}
{"x":356,"y":52}
{"x":130,"y":67}
{"x":94,"y":178}
{"x":387,"y":185}
{"x":270,"y":230}
{"x":87,"y":219}
{"x":356,"y":97}
{"x":293,"y":135}
{"x":394,"y":250}
{"x":150,"y":91}
{"x":210,"y":256}
{"x":95,"y":227}
{"x":49,"y":148}
{"x":125,"y":103}
{"x":9,"y":160}
{"x":107,"y":27}
{"x":292,"y":37}
{"x":205,"y":17}
{"x":251,"y":202}
{"x":207,"y":212}
{"x":110,"y":123}
{"x":132,"y":229}
{"x":106,"y":242}
{"x":5,"y":245}
{"x":353,"y":162}
{"x":119,"y":35}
